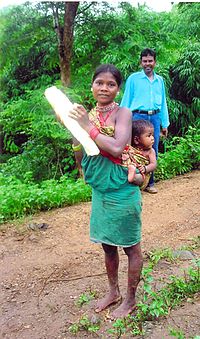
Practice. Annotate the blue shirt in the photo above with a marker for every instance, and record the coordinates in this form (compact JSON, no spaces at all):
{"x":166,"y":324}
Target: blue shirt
{"x":143,"y":94}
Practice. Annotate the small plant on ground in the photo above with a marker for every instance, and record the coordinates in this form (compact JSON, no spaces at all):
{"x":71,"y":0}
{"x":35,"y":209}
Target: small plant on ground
{"x":194,"y":245}
{"x":85,"y":298}
{"x":129,"y":324}
{"x":84,"y":324}
{"x":156,"y":255}
{"x":176,"y":333}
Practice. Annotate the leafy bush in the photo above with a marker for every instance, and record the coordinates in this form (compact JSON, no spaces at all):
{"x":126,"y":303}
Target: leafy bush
{"x":183,"y":155}
{"x":37,"y":142}
{"x":19,"y":199}
{"x":184,"y":89}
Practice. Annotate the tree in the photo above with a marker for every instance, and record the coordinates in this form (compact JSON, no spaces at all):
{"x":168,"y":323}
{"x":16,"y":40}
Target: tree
{"x":31,"y":54}
{"x":65,"y":35}
{"x":29,"y":57}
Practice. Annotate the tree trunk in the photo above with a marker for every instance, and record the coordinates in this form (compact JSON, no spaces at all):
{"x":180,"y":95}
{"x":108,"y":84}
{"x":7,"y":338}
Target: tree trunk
{"x":65,"y":38}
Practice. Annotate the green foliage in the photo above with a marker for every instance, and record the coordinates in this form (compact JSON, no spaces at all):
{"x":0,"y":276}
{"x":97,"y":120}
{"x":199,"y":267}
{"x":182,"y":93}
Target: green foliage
{"x":39,"y":143}
{"x":21,"y":195}
{"x":122,"y":43}
{"x":84,"y":324}
{"x":18,"y":199}
{"x":195,"y":243}
{"x":85,"y":298}
{"x":29,"y":49}
{"x":120,"y":327}
{"x":103,"y":33}
{"x":35,"y":146}
{"x":182,"y":155}
{"x":153,"y":305}
{"x":185,"y":89}
{"x":176,"y":333}
{"x":170,"y":296}
{"x":118,"y":36}
{"x":156,"y":255}
{"x":187,"y":23}
{"x":156,"y":304}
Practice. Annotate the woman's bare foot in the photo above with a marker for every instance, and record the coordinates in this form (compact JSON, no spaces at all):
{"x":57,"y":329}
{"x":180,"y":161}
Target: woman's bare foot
{"x":131,"y":173}
{"x":108,"y":300}
{"x":124,"y":309}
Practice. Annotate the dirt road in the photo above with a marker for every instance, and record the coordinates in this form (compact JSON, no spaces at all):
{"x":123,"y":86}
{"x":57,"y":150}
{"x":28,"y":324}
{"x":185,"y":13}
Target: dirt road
{"x":43,"y":273}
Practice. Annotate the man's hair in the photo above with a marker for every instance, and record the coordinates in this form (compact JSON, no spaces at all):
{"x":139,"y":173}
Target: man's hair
{"x":148,"y":51}
{"x":138,"y":128}
{"x":111,"y":69}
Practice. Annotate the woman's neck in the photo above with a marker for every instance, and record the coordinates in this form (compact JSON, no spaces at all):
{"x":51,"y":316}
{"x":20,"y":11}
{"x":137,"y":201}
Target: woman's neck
{"x":105,"y":108}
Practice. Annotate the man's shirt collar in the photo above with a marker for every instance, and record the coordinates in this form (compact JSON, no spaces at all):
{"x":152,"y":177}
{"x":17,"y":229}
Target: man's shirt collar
{"x":143,"y":75}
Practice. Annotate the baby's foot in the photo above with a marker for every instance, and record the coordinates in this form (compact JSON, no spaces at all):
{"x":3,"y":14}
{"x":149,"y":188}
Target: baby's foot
{"x":131,"y":173}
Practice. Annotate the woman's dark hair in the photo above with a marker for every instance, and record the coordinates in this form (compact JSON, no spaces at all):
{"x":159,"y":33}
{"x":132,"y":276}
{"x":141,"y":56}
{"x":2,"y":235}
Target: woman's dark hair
{"x":148,"y":51}
{"x":108,"y":68}
{"x":138,"y":128}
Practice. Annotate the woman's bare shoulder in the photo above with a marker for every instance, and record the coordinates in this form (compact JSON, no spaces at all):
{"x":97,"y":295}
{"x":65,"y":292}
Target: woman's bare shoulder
{"x":123,"y":110}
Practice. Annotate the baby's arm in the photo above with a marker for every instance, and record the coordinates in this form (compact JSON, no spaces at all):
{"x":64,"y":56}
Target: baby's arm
{"x":152,"y":162}
{"x":138,"y":179}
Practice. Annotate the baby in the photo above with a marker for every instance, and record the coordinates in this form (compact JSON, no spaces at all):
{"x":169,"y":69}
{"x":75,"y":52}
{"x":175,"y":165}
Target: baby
{"x":140,"y":154}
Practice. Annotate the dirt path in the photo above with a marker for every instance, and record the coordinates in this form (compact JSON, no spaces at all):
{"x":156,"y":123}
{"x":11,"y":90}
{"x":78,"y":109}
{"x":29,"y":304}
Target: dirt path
{"x":44,"y":272}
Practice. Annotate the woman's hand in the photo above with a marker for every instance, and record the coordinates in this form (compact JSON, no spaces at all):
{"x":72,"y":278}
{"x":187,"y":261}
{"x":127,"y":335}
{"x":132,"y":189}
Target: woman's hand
{"x":79,"y":113}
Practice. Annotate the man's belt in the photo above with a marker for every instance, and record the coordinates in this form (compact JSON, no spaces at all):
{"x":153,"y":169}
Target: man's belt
{"x":150,"y":112}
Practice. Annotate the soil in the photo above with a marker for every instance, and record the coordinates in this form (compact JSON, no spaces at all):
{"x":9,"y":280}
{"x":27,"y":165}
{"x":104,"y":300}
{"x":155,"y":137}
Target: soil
{"x":45,"y":271}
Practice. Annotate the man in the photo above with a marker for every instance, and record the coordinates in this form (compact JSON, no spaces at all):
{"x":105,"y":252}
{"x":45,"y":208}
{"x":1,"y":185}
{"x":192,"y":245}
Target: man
{"x":145,"y":96}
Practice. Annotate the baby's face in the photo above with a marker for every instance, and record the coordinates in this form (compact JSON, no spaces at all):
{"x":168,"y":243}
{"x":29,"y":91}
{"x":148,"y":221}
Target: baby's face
{"x":146,"y":139}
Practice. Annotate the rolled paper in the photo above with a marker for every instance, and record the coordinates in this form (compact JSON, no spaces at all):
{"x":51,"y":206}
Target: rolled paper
{"x":61,"y":105}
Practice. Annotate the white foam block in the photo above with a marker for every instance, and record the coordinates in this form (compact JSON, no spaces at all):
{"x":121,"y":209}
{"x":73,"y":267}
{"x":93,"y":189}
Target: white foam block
{"x":61,"y":105}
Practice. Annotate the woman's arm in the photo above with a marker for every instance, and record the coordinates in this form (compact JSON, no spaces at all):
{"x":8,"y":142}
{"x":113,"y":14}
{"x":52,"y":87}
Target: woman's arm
{"x":123,"y":126}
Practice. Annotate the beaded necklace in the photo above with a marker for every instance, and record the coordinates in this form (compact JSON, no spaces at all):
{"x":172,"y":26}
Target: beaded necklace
{"x":105,"y":109}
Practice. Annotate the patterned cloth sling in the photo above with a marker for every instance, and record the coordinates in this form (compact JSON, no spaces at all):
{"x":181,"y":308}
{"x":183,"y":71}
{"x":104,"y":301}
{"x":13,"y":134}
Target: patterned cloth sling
{"x":132,"y":155}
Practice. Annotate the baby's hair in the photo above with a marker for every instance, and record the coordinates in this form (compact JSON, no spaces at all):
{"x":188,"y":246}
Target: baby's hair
{"x":109,"y":68}
{"x":138,"y":127}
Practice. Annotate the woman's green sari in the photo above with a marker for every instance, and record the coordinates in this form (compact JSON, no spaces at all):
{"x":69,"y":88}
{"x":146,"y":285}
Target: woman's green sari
{"x":116,"y":204}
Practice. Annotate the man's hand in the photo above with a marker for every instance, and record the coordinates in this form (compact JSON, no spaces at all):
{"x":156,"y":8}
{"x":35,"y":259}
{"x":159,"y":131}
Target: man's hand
{"x":164,"y":132}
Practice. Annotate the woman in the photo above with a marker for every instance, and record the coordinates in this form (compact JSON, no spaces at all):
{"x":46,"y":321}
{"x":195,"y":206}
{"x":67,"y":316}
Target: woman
{"x":116,"y":204}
